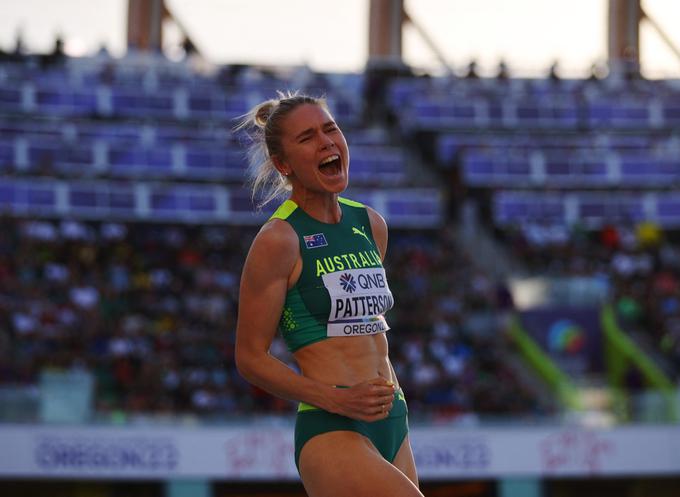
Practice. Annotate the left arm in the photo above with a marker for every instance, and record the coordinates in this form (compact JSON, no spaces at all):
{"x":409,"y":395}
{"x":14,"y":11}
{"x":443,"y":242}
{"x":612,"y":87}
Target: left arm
{"x":379,"y":229}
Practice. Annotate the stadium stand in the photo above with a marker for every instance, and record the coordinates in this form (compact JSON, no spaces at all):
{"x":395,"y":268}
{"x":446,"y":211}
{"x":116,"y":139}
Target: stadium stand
{"x":156,"y":326}
{"x":103,"y":161}
{"x":125,"y":226}
{"x":557,"y":166}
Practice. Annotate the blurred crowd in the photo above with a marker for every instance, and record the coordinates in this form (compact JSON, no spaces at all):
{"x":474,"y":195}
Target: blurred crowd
{"x":150,"y":311}
{"x":638,"y":263}
{"x":448,"y":343}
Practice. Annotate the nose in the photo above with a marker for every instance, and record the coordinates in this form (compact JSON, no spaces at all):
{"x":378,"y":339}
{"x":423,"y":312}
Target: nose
{"x":327,"y":143}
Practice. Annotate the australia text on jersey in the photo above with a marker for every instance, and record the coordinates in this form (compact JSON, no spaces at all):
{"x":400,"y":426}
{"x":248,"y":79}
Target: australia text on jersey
{"x":342,"y":262}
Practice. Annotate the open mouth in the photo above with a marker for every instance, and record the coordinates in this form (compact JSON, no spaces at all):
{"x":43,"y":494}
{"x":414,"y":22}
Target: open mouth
{"x":330,"y":166}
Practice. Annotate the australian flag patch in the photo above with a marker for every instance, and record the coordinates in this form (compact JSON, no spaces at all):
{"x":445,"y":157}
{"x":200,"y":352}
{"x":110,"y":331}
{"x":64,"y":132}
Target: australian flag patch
{"x":315,"y":241}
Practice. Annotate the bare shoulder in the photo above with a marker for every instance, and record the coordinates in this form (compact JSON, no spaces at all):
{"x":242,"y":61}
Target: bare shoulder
{"x":275,"y":245}
{"x":379,"y":228}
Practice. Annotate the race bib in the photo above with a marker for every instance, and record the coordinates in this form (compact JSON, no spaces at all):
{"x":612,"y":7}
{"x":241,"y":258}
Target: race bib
{"x":359,"y":298}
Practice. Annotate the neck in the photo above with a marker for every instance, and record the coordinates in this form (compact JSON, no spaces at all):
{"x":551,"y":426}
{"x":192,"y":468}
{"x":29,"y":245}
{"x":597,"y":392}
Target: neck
{"x":322,"y":207}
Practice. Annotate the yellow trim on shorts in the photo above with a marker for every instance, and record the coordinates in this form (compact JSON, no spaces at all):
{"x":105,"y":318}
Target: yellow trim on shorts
{"x":303,"y":406}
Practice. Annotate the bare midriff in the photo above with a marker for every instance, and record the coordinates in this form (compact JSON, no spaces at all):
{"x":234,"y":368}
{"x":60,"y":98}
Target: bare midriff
{"x":346,"y":361}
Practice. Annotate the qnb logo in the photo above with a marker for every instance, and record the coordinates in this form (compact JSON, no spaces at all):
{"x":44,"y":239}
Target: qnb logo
{"x":348,"y":283}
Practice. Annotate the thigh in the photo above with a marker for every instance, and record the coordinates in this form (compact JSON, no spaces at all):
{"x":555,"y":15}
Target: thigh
{"x":346,"y":464}
{"x":404,"y":461}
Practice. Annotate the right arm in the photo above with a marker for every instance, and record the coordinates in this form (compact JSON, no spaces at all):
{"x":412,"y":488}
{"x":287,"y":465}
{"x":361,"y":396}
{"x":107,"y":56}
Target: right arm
{"x":264,"y":283}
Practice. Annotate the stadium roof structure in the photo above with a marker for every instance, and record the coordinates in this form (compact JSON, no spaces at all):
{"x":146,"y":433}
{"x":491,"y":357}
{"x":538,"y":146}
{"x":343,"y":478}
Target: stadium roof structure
{"x":387,"y":19}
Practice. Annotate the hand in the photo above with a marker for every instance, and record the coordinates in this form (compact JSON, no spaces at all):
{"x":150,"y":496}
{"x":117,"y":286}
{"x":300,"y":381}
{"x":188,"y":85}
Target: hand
{"x":369,"y":400}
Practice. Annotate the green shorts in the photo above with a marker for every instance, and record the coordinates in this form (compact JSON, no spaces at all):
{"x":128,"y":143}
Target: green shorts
{"x":386,"y":434}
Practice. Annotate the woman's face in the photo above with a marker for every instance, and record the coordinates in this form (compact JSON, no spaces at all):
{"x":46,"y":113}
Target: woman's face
{"x":316,"y":156}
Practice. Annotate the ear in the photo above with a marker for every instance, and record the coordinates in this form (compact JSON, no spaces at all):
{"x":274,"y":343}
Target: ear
{"x":281,"y":166}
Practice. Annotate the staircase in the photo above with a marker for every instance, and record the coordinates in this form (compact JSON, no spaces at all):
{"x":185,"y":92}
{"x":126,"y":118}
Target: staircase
{"x":486,"y":252}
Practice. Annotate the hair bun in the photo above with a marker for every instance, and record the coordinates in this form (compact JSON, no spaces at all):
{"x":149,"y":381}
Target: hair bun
{"x":263,"y":112}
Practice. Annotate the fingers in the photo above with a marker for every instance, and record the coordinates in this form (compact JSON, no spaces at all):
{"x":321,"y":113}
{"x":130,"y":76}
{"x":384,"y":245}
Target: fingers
{"x":371,"y":417}
{"x":383,"y":400}
{"x":383,"y":405}
{"x":370,"y":400}
{"x":381,"y":411}
{"x":381,"y":381}
{"x":380,"y":385}
{"x":381,"y":392}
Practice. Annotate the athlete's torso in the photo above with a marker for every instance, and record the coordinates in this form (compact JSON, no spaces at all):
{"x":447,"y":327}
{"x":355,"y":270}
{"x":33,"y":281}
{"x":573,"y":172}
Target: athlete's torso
{"x":342,"y":289}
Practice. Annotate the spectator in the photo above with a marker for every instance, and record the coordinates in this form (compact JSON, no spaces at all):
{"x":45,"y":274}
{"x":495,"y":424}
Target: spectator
{"x":152,"y":307}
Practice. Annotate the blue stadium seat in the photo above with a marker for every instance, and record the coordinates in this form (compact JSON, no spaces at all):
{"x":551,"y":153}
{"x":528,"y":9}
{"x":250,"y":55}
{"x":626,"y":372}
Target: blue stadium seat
{"x":378,"y":165}
{"x":60,"y":157}
{"x":7,"y":161}
{"x":129,"y":103}
{"x":209,"y":163}
{"x":66,"y":102}
{"x":496,"y":168}
{"x":646,"y":170}
{"x":111,"y":133}
{"x":182,"y":202}
{"x":11,"y":99}
{"x":671,"y":113}
{"x":668,"y":210}
{"x":580,"y":169}
{"x":512,"y":208}
{"x":618,"y":113}
{"x":137,"y":162}
{"x":597,"y":209}
{"x":231,"y":107}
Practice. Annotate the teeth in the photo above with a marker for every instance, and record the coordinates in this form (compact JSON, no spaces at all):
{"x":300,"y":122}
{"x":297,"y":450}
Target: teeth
{"x":328,"y":159}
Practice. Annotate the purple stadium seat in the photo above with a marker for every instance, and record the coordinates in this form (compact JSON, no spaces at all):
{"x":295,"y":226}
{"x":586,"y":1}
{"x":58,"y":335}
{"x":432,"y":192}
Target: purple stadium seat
{"x":494,"y":168}
{"x":517,"y":208}
{"x":597,"y":209}
{"x":173,"y":201}
{"x":671,"y":114}
{"x":128,"y":161}
{"x":127,"y":102}
{"x":10,"y":98}
{"x":380,"y":165}
{"x":647,"y":170}
{"x":618,"y":113}
{"x":66,"y":102}
{"x":668,"y":210}
{"x":209,"y":163}
{"x":6,"y":155}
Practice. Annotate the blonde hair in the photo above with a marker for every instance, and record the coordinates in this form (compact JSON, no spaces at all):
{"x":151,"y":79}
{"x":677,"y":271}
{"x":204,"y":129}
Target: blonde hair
{"x":263,"y":127}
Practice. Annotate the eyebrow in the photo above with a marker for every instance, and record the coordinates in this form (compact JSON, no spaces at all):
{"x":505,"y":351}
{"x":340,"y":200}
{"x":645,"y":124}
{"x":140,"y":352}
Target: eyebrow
{"x":309,"y":131}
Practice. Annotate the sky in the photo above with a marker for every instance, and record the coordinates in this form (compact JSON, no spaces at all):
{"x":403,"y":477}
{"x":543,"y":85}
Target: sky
{"x":331,"y":35}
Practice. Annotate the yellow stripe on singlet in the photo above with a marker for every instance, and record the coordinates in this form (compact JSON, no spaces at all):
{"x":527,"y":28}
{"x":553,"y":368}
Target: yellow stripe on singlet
{"x":284,"y":210}
{"x":347,"y":201}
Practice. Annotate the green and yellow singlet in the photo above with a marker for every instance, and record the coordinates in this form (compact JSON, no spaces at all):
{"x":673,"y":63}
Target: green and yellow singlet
{"x":342,"y":290}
